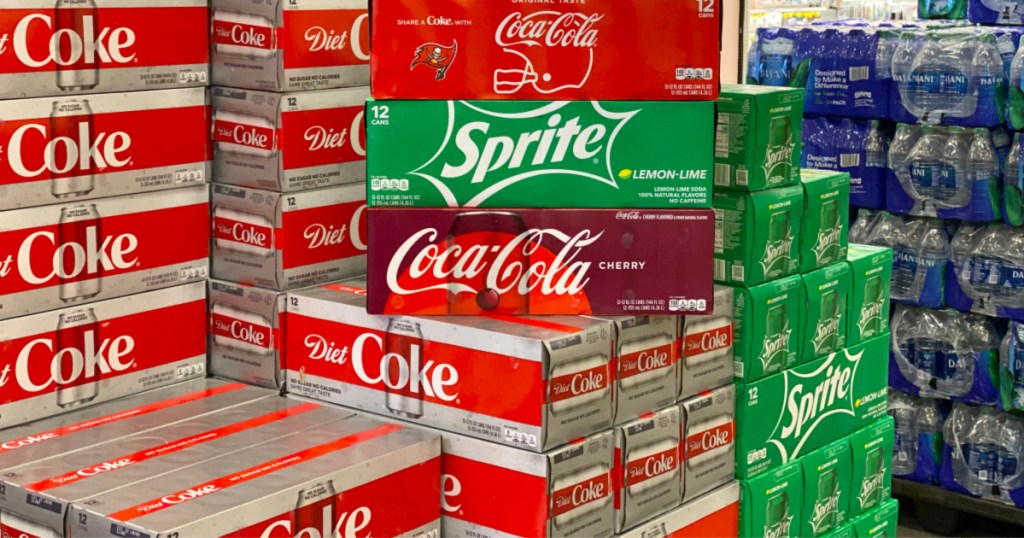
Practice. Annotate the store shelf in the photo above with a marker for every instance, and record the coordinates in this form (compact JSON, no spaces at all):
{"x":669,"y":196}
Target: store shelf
{"x":957,"y":501}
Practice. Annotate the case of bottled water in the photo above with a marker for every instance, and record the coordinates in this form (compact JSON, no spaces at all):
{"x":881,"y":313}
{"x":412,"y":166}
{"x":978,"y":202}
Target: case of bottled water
{"x":995,"y":12}
{"x":1011,"y":368}
{"x":1013,"y":182}
{"x":859,"y":147}
{"x":986,"y":271}
{"x":920,"y":254}
{"x":982,"y":454}
{"x":918,"y":445}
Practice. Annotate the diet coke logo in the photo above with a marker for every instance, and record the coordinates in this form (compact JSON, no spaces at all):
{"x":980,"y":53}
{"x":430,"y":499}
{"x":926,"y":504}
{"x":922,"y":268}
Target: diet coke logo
{"x":68,"y":365}
{"x":326,"y":235}
{"x":580,"y":494}
{"x":243,"y":331}
{"x":709,"y":440}
{"x":549,"y":29}
{"x":646,"y":361}
{"x":508,"y":273}
{"x":328,"y":39}
{"x":105,"y":467}
{"x":78,"y":45}
{"x":25,"y":441}
{"x":244,"y":35}
{"x":348,"y":525}
{"x":578,"y":384}
{"x":64,"y":154}
{"x":251,"y":136}
{"x":72,"y":259}
{"x":243,"y":232}
{"x":708,"y":341}
{"x":189,"y":494}
{"x":651,"y":466}
{"x":320,"y":137}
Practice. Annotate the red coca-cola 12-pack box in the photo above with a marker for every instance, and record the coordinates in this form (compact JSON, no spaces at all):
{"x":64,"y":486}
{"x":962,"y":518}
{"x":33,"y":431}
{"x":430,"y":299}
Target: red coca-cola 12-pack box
{"x":246,"y":333}
{"x":291,"y":45}
{"x":66,"y":47}
{"x":67,"y":254}
{"x":656,"y":50}
{"x":286,"y":241}
{"x":289,"y":142}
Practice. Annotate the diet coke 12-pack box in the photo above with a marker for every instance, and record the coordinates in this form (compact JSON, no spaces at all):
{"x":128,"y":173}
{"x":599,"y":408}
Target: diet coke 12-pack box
{"x":246,"y":331}
{"x":705,"y":347}
{"x":62,"y":149}
{"x":57,"y":361}
{"x":289,"y":45}
{"x":61,"y":255}
{"x":85,"y":427}
{"x":555,"y":374}
{"x":68,"y":47}
{"x":436,"y":261}
{"x":646,"y":472}
{"x":287,"y":241}
{"x":708,"y":449}
{"x":713,"y":515}
{"x":37,"y":497}
{"x":352,"y":477}
{"x":492,"y":491}
{"x":598,"y":49}
{"x":289,"y":142}
{"x":645,"y":365}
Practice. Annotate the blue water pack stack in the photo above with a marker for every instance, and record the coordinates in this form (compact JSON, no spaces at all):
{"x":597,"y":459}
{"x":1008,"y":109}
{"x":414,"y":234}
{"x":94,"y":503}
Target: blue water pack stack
{"x":859,"y":147}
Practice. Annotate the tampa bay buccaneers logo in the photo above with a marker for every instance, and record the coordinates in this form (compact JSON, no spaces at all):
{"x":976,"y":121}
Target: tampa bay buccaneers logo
{"x":436,"y":56}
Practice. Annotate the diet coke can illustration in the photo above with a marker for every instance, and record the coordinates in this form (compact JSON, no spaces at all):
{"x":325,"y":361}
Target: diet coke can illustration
{"x":403,"y":345}
{"x":74,"y":228}
{"x":316,"y":508}
{"x":77,"y":18}
{"x":74,"y":328}
{"x":491,"y":232}
{"x":71,"y":119}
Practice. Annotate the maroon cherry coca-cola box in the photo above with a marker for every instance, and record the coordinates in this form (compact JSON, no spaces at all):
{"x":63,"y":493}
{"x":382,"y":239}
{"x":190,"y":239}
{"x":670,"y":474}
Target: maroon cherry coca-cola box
{"x":444,"y":261}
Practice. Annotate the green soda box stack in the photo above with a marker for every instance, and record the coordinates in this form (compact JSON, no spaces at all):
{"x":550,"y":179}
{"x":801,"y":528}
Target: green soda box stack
{"x":827,"y":293}
{"x":582,"y":154}
{"x":826,"y":222}
{"x":757,"y":234}
{"x":771,"y":504}
{"x":880,"y":522}
{"x":757,"y":137}
{"x":767,"y":328}
{"x":787,"y":415}
{"x":827,"y":477}
{"x":870,"y":272}
{"x":871,"y":448}
{"x":843,"y":531}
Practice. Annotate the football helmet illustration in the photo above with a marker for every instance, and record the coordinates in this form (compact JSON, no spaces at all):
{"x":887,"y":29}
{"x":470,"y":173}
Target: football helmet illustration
{"x":538,"y":64}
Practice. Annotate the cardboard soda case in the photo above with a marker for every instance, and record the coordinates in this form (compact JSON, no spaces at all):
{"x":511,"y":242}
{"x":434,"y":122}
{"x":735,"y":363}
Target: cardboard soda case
{"x":246,"y":333}
{"x":539,"y":154}
{"x":757,"y":137}
{"x":771,"y":504}
{"x":61,"y":255}
{"x":757,"y":235}
{"x":646,"y":475}
{"x":827,"y":292}
{"x":533,"y":261}
{"x":64,"y":149}
{"x":96,"y":46}
{"x":870,"y":273}
{"x":871,"y":449}
{"x":826,"y":222}
{"x":827,"y":479}
{"x":287,"y":241}
{"x":786,"y":415}
{"x":86,"y":427}
{"x":287,"y":46}
{"x":513,"y":50}
{"x":646,"y":362}
{"x":769,"y":328}
{"x":352,"y":477}
{"x":40,"y":494}
{"x":84,"y":355}
{"x":289,"y":142}
{"x":882,"y":521}
{"x":707,"y":450}
{"x":714,"y":515}
{"x":556,"y":374}
{"x":706,"y":346}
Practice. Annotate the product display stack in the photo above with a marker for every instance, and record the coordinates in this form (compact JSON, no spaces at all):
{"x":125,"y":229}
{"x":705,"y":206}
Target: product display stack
{"x":811,"y":330}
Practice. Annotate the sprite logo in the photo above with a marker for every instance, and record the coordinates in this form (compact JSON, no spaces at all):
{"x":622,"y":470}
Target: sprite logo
{"x":811,"y":398}
{"x":778,"y":158}
{"x":825,"y":329}
{"x":827,"y":242}
{"x":776,"y":255}
{"x":870,"y":314}
{"x":776,"y":347}
{"x":871,"y":489}
{"x":825,"y":510}
{"x":780,"y":529}
{"x":486,"y":151}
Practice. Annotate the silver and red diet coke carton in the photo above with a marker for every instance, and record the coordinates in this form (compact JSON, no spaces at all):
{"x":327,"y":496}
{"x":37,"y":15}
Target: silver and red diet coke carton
{"x":246,"y":331}
{"x":67,"y":149}
{"x":705,"y":344}
{"x":708,"y":449}
{"x":68,"y":47}
{"x":532,"y":383}
{"x":712,"y":514}
{"x":287,"y":241}
{"x":38,"y":496}
{"x":289,"y":142}
{"x":62,"y":360}
{"x":647,"y":469}
{"x":353,"y":477}
{"x":288,"y":45}
{"x":58,"y":256}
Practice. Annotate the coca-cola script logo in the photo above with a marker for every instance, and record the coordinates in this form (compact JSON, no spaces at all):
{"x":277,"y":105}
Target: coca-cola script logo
{"x":66,"y":366}
{"x":81,"y":44}
{"x":453,"y":264}
{"x":519,"y":33}
{"x":326,"y":235}
{"x":252,"y":136}
{"x":348,"y":525}
{"x":575,"y":496}
{"x":327,"y":39}
{"x":320,"y":137}
{"x":71,"y":259}
{"x":83,"y":153}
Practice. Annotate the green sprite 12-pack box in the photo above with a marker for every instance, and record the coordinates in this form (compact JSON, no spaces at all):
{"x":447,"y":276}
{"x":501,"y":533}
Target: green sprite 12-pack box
{"x":827,"y":293}
{"x":827,"y":479}
{"x":826,"y":222}
{"x":771,"y":504}
{"x":757,"y":234}
{"x":871,"y":448}
{"x":870,"y":274}
{"x":757,"y":137}
{"x":768,"y":328}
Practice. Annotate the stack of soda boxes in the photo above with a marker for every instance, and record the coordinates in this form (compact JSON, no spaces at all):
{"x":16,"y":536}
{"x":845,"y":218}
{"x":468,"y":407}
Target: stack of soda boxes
{"x":952,"y":189}
{"x":490,"y":204}
{"x":289,"y":210}
{"x":811,"y":330}
{"x":105,"y":196}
